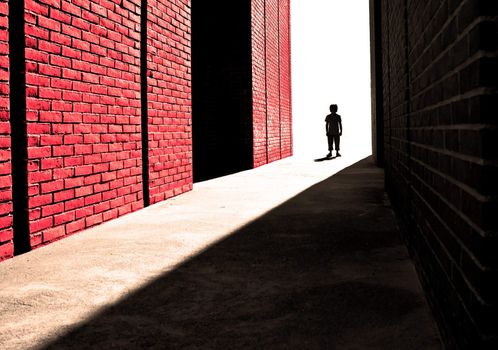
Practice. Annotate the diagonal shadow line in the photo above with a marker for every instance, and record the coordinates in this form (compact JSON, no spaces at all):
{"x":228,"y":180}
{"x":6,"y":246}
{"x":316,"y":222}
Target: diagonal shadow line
{"x":324,"y":270}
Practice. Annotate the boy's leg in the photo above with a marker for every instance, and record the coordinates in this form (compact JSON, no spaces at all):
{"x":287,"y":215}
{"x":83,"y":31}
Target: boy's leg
{"x":331,"y":145}
{"x":337,"y":140}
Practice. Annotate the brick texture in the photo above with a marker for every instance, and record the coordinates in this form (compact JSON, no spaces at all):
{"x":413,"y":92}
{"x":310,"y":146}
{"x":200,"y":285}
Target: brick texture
{"x":271,"y":81}
{"x":284,"y":69}
{"x":6,"y":233}
{"x":108,"y":92}
{"x":169,"y":99}
{"x":83,"y":114}
{"x":439,"y":78}
{"x":242,"y":87}
{"x":259,"y":98}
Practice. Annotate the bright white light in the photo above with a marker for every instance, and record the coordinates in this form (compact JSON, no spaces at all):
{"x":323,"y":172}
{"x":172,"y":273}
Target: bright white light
{"x":330,"y":64}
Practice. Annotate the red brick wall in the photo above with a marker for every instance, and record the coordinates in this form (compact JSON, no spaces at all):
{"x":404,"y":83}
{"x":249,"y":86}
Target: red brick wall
{"x":169,"y":99}
{"x":439,"y":74}
{"x":271,"y":80}
{"x":285,"y":80}
{"x":96,"y":116}
{"x":259,"y":102}
{"x":6,"y":244}
{"x":83,"y":114}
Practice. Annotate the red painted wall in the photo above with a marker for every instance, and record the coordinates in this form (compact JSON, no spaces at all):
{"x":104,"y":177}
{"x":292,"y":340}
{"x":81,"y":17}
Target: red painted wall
{"x":92,"y":110}
{"x":285,"y":80}
{"x":272,"y":121}
{"x":259,"y":100}
{"x":6,"y":244}
{"x":169,"y":99}
{"x":83,"y":114}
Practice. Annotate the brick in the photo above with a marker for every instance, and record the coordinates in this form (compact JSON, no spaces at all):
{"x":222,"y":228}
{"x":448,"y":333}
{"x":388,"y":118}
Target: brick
{"x":6,"y":251}
{"x":84,"y":110}
{"x":93,"y":220}
{"x":49,"y":23}
{"x":439,"y":137}
{"x":42,"y":224}
{"x":6,"y":236}
{"x":76,"y":225}
{"x":53,"y":233}
{"x":52,"y":186}
{"x":64,"y":195}
{"x":64,"y":218}
{"x":52,"y":209}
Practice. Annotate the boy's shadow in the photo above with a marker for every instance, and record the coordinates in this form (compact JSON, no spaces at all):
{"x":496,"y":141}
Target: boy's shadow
{"x":324,"y":158}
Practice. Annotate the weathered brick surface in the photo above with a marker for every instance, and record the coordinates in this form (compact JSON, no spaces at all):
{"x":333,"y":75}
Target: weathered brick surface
{"x":83,"y":113}
{"x":439,"y":76}
{"x":6,"y":233}
{"x":169,"y":98}
{"x":271,"y":87}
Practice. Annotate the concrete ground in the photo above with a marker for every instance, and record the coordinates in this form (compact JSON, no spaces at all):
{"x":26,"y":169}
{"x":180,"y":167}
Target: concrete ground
{"x":293,"y":255}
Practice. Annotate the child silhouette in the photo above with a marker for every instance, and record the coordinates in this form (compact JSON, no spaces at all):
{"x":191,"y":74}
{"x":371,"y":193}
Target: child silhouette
{"x":333,"y":127}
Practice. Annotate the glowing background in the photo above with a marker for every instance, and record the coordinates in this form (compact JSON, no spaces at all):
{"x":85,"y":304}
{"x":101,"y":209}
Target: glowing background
{"x":330,"y":64}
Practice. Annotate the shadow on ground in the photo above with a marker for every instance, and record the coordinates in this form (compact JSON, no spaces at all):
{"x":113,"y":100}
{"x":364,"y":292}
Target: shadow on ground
{"x":325,"y":270}
{"x":324,"y":158}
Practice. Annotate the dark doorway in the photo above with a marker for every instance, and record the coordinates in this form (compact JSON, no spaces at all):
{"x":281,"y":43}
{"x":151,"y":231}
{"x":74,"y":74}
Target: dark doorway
{"x":221,"y":88}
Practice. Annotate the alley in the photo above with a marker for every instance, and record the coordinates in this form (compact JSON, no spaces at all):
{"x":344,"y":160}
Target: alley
{"x":294,"y":255}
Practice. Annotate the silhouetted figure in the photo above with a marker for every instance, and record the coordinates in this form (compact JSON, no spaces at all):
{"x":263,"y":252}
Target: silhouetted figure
{"x":333,"y":127}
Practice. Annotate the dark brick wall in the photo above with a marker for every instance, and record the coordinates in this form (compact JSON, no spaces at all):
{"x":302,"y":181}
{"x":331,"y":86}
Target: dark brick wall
{"x":439,"y":98}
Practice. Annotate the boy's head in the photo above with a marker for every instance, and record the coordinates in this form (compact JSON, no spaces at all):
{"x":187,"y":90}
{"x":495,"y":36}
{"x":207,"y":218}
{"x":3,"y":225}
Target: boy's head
{"x":333,"y":108}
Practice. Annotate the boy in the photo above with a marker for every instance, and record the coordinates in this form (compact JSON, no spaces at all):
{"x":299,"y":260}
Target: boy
{"x":333,"y":127}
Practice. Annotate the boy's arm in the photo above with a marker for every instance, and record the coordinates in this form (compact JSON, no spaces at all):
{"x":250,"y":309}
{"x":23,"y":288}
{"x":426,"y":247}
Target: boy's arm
{"x":327,"y":126}
{"x":340,"y":127}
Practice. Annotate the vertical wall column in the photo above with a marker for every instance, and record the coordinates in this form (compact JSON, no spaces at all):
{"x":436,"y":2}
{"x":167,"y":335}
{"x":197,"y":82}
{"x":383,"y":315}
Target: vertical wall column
{"x":285,"y":80}
{"x":144,"y":105}
{"x":259,"y":92}
{"x":377,"y":81}
{"x":272,"y":121}
{"x":169,"y":98}
{"x":18,"y":123}
{"x":272,"y":59}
